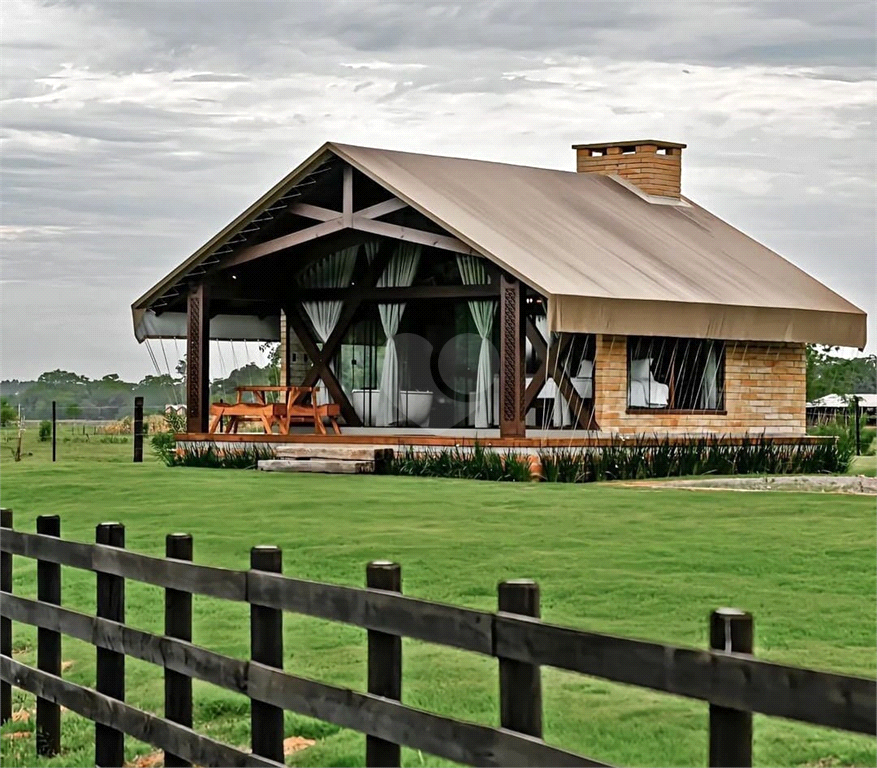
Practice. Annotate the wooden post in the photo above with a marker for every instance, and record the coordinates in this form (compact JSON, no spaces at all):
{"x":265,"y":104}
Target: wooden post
{"x":520,"y":684}
{"x":731,"y":729}
{"x":5,"y":623}
{"x":198,"y":360}
{"x":48,"y":725}
{"x":109,"y":744}
{"x":266,"y":647}
{"x":858,"y":425}
{"x":384,"y":663}
{"x":138,"y":430}
{"x":54,"y":429}
{"x":511,"y":358}
{"x":178,"y":623}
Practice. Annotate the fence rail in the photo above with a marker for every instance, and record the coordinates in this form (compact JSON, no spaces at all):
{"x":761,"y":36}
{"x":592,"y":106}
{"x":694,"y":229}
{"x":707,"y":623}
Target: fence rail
{"x":734,"y":684}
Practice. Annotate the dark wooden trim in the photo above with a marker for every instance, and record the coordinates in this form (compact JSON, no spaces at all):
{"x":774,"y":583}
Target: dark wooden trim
{"x":373,"y":715}
{"x":384,"y":664}
{"x":266,"y":647}
{"x":288,"y":294}
{"x":409,"y":235}
{"x":320,"y":359}
{"x":178,"y":624}
{"x":376,"y":610}
{"x":109,"y":742}
{"x":511,"y":358}
{"x":732,"y":680}
{"x":107,"y":711}
{"x":198,"y":359}
{"x":730,"y":739}
{"x":48,"y":725}
{"x":430,"y":440}
{"x":676,"y":411}
{"x":520,"y":683}
{"x":282,"y":243}
{"x":5,"y":621}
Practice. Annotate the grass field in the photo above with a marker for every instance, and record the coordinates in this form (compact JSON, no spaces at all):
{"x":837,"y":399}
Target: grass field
{"x":647,"y":563}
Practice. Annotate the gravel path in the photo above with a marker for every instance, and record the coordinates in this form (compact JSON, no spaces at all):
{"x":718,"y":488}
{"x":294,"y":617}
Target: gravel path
{"x":801,"y":483}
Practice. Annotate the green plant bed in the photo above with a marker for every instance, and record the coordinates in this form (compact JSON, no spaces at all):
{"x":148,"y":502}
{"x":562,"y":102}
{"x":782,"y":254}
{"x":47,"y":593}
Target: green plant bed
{"x":637,"y":459}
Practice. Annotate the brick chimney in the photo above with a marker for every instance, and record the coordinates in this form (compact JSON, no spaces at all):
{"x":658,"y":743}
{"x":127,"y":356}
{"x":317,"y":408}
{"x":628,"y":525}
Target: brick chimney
{"x":654,"y":166}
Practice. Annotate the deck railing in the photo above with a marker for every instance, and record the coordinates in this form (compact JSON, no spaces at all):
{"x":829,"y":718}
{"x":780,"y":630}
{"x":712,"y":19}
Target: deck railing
{"x":727,"y":676}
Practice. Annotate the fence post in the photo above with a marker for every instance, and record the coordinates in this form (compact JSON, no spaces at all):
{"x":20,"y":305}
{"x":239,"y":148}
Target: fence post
{"x":266,"y":647}
{"x":384,"y":663}
{"x":138,"y":430}
{"x":520,"y":684}
{"x":178,"y":624}
{"x":731,"y":729}
{"x":109,"y":744}
{"x":858,"y":425}
{"x":48,"y":725}
{"x":5,"y":623}
{"x":54,"y":429}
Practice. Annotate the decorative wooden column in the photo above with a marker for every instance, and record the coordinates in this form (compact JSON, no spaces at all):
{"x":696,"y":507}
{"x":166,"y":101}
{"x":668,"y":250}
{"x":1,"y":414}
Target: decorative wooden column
{"x":198,"y":361}
{"x":511,"y":357}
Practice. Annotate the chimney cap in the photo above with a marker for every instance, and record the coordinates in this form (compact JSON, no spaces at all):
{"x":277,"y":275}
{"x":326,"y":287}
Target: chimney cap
{"x":640,"y":142}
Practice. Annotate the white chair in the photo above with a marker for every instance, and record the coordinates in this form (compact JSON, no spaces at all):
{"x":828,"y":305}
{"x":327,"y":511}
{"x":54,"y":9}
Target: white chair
{"x":645,"y":391}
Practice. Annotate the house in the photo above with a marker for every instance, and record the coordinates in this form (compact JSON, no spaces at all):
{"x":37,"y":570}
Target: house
{"x":429,"y":294}
{"x":833,"y":407}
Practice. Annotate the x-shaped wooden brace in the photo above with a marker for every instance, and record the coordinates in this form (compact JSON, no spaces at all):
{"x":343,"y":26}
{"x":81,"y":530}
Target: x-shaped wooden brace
{"x":322,"y":357}
{"x":550,"y":360}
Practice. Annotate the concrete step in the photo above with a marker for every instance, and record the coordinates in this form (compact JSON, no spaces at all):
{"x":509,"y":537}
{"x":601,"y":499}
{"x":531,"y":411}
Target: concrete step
{"x":328,"y":451}
{"x":326,"y":466}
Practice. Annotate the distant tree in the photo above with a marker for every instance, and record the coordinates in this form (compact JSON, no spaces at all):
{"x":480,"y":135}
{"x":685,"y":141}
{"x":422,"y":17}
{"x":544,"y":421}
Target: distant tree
{"x":73,"y":411}
{"x":828,"y":373}
{"x":8,"y":413}
{"x":181,"y":368}
{"x":59,"y":378}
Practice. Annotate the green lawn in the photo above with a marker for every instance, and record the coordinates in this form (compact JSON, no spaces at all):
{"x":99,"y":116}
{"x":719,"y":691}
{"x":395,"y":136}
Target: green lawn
{"x":647,"y":563}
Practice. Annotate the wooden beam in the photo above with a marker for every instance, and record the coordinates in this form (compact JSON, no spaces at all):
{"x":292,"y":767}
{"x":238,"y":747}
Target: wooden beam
{"x":313,"y":212}
{"x":410,"y":235}
{"x":347,"y":196}
{"x":320,"y":364}
{"x":198,"y":360}
{"x":382,"y":209}
{"x":282,"y":243}
{"x":511,"y":358}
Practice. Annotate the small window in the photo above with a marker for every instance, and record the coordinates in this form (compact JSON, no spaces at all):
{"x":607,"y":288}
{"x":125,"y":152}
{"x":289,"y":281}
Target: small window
{"x":675,"y":374}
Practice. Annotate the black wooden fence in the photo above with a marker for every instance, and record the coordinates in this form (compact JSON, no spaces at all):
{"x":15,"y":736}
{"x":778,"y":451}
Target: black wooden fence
{"x":727,"y":676}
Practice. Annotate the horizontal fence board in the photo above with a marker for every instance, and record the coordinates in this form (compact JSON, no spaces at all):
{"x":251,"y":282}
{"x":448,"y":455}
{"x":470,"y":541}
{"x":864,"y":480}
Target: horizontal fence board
{"x":173,"y":574}
{"x":144,"y":726}
{"x":467,"y":743}
{"x":728,"y":680}
{"x":393,"y":614}
{"x":188,"y":577}
{"x":50,"y":548}
{"x":441,"y":736}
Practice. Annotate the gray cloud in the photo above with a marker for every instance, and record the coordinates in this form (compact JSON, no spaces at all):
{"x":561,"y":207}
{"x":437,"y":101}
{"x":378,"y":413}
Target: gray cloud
{"x":132,"y":132}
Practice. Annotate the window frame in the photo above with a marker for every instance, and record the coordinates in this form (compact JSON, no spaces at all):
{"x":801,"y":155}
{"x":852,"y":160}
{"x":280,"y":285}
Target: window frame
{"x":721,"y":347}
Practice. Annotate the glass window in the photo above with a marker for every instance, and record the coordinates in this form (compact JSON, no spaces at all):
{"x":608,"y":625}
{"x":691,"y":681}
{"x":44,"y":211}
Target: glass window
{"x":675,"y":374}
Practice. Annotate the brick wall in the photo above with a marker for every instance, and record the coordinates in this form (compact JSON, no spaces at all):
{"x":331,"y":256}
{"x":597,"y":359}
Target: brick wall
{"x":299,"y":364}
{"x":765,"y":391}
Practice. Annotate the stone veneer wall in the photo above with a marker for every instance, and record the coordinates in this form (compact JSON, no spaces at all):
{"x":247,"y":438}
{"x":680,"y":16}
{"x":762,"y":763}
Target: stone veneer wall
{"x":765,"y":392}
{"x":299,"y":363}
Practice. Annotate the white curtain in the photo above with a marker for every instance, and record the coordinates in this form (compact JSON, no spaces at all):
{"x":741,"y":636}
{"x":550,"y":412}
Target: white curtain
{"x":334,"y":271}
{"x":472,"y":272}
{"x":709,"y":391}
{"x":399,"y":273}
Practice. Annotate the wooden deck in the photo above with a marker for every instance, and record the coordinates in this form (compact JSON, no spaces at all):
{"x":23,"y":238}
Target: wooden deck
{"x":433,"y":440}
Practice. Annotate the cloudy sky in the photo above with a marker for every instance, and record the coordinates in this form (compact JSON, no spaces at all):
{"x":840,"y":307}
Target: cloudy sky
{"x":132,"y":132}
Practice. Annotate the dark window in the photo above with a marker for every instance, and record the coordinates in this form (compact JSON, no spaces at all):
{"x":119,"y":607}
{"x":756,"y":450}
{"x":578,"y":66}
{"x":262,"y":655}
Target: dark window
{"x":675,"y":374}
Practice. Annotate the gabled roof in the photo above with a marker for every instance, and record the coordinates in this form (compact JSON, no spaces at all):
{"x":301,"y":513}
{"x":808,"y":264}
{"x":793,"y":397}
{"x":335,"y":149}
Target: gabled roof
{"x":609,"y":258}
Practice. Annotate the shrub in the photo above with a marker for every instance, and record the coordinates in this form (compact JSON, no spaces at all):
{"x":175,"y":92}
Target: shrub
{"x":636,"y":459}
{"x":221,"y":458}
{"x":45,"y":431}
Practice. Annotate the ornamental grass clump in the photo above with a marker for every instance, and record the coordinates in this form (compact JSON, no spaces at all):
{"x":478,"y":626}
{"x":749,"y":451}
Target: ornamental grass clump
{"x":476,"y":463}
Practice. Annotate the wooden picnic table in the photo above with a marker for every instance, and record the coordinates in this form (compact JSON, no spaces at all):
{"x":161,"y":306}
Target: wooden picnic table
{"x":290,"y":405}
